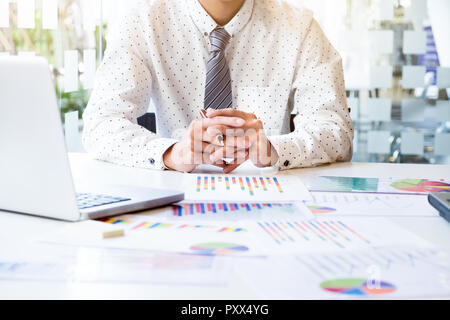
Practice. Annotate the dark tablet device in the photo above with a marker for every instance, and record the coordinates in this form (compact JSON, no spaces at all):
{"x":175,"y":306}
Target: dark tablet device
{"x":441,"y":201}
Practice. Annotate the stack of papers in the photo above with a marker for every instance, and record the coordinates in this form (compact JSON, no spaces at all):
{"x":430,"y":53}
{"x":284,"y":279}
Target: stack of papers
{"x":321,"y":237}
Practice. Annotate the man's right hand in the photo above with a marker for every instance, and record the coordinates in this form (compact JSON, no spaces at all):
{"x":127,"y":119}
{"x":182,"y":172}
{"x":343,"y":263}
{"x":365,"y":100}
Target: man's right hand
{"x":196,"y":146}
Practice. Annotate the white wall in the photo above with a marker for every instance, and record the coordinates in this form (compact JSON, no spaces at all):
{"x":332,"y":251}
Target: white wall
{"x":439,"y":12}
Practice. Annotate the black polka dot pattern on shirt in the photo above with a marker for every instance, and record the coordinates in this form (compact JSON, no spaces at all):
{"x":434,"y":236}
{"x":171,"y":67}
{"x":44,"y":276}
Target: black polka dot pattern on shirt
{"x":279,"y":61}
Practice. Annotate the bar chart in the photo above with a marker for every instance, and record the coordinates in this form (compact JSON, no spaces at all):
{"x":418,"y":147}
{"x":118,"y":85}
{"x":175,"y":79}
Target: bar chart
{"x":246,"y":184}
{"x":202,"y":209}
{"x":317,"y":235}
{"x":217,"y":188}
{"x":334,"y":233}
{"x":140,"y":224}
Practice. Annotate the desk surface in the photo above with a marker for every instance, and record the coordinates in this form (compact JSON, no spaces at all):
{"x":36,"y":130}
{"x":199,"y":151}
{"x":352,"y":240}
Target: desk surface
{"x":18,"y":230}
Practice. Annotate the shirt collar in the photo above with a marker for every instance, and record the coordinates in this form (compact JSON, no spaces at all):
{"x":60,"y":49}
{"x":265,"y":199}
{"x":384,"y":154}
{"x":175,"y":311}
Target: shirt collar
{"x":206,"y":24}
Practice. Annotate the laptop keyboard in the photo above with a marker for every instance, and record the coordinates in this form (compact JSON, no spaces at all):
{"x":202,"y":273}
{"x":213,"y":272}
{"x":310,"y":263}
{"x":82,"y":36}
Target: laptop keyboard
{"x":90,"y":200}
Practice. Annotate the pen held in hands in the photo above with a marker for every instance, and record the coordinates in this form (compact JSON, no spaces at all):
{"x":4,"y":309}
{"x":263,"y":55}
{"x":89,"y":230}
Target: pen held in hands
{"x":219,"y":136}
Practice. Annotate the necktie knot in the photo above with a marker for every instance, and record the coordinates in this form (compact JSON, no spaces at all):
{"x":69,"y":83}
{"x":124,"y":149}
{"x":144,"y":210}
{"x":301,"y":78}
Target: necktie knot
{"x":219,"y":39}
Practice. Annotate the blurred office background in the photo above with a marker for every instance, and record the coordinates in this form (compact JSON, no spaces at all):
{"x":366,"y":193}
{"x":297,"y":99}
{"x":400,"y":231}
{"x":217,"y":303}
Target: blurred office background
{"x":396,"y":57}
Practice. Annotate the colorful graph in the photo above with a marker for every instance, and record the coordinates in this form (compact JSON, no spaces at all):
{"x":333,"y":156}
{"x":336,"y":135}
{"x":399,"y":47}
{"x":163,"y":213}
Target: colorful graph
{"x":343,"y":184}
{"x":320,"y":209}
{"x":191,"y":209}
{"x":375,"y":185}
{"x":332,"y":232}
{"x":248,"y":184}
{"x":421,"y":185}
{"x":154,"y":225}
{"x":218,"y":248}
{"x":360,"y":287}
{"x":140,"y":225}
{"x":226,"y":230}
{"x":116,"y":221}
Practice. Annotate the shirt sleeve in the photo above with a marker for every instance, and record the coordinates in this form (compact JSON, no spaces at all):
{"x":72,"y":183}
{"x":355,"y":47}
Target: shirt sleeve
{"x":122,"y":94}
{"x":323,"y":127}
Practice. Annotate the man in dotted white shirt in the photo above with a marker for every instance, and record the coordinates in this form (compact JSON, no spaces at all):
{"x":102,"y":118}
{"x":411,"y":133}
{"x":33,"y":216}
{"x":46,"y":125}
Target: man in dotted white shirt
{"x":249,"y":63}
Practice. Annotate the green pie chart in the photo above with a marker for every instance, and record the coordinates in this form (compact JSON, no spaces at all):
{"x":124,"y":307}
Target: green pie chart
{"x":358,"y":287}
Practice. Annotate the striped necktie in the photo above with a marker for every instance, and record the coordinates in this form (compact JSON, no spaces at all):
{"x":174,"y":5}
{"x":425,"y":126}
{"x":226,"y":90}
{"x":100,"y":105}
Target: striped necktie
{"x":218,"y":93}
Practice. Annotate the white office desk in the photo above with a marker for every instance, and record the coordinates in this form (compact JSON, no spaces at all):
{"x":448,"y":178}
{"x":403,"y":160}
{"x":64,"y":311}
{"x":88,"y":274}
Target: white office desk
{"x":17,"y":230}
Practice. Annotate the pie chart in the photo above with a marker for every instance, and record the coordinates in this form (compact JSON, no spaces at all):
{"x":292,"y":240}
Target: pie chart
{"x":358,"y":287}
{"x":218,"y":248}
{"x":421,"y":185}
{"x":321,"y":209}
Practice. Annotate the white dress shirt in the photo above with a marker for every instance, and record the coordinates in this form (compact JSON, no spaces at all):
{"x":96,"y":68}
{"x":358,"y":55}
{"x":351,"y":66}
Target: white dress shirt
{"x":280,"y":61}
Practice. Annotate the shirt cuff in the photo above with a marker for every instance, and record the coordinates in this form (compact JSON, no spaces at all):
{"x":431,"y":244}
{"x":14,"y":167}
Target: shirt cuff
{"x":155,"y":152}
{"x":287,"y":149}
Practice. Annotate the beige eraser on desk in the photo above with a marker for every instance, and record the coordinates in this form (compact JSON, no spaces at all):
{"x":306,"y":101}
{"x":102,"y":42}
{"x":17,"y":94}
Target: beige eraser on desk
{"x":113,"y":234}
{"x":95,"y":230}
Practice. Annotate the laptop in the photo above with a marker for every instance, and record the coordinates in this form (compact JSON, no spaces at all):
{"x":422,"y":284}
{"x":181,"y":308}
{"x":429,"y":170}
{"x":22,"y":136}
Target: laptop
{"x":35,"y":175}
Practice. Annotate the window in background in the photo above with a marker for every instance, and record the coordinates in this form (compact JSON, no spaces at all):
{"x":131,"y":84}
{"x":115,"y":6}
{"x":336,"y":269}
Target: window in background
{"x":70,"y":35}
{"x":396,"y":80}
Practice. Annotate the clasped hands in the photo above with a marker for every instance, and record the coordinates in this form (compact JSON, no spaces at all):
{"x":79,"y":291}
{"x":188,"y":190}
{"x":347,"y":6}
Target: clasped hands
{"x":228,"y":134}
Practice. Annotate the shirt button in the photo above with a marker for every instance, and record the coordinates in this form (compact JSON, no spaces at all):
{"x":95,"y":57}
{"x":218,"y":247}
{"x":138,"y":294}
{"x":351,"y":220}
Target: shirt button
{"x":206,"y":34}
{"x":287,"y":163}
{"x":152,"y":161}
